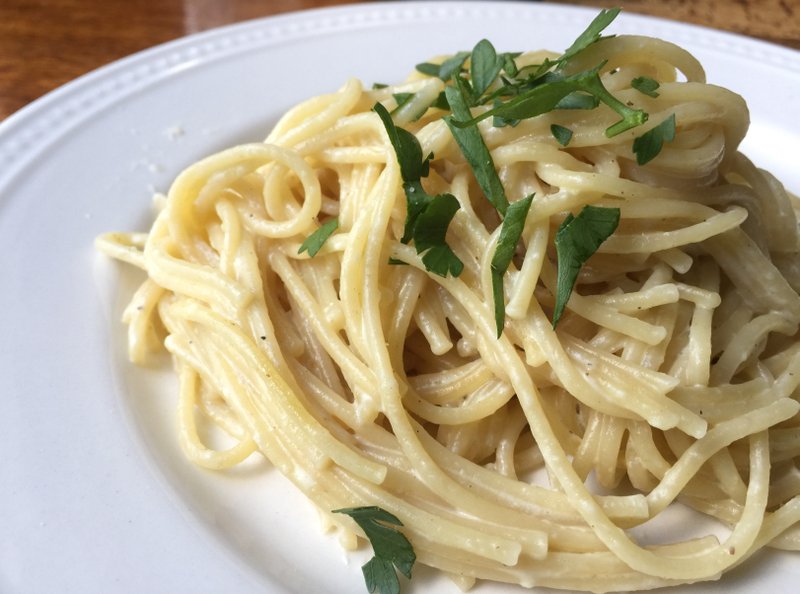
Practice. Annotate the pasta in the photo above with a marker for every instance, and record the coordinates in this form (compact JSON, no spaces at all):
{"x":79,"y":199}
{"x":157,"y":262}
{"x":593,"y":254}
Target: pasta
{"x":528,"y":457}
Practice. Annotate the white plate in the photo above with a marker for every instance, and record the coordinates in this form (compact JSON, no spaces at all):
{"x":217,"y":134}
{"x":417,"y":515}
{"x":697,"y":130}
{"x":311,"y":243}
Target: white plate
{"x":94,"y":496}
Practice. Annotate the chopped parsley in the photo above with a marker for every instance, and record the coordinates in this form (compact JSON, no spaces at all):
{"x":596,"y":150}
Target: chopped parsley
{"x":402,"y":98}
{"x":446,"y":69}
{"x":647,"y":146}
{"x":577,"y":240}
{"x":427,"y":217}
{"x":555,"y":88}
{"x":561,"y":134}
{"x":646,"y":85}
{"x":485,"y":65}
{"x":314,"y":242}
{"x":510,"y":232}
{"x":393,"y":551}
{"x":473,"y":147}
{"x":592,"y":34}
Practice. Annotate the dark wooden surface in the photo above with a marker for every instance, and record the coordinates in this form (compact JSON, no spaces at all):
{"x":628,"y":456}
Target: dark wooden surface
{"x":46,"y":43}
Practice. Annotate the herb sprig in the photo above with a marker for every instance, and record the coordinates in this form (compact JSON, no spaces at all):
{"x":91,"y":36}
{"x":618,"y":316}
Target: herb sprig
{"x":391,"y":547}
{"x":547,"y":96}
{"x":646,"y":85}
{"x":592,"y":34}
{"x":649,"y":145}
{"x":561,"y":134}
{"x":474,"y":148}
{"x":314,"y":242}
{"x":539,"y":89}
{"x":427,"y":216}
{"x":577,"y":240}
{"x":510,"y":232}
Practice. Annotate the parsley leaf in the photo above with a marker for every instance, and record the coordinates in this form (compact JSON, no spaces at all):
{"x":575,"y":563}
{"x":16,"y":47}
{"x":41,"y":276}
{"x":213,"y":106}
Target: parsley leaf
{"x":402,"y":98}
{"x":429,"y":236}
{"x":510,"y":232}
{"x":417,"y":200}
{"x":578,"y":100}
{"x":591,"y":34}
{"x":584,"y":40}
{"x":446,"y":69}
{"x":509,"y":66}
{"x":648,"y":145}
{"x":440,"y":259}
{"x":391,"y":547}
{"x":577,"y":240}
{"x":501,"y":122}
{"x":645,"y":85}
{"x":406,"y":147}
{"x":441,"y":102}
{"x":427,"y":217}
{"x":485,"y":65}
{"x":546,"y":97}
{"x":474,"y":149}
{"x":562,"y":135}
{"x":429,"y":68}
{"x":314,"y":242}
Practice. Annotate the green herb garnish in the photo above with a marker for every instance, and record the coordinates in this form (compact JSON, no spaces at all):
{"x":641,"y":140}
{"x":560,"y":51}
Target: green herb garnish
{"x":485,"y":65}
{"x":429,"y":236}
{"x":446,"y":69}
{"x":314,"y":242}
{"x":578,"y":100}
{"x":545,"y":87}
{"x":392,"y":549}
{"x":402,"y":98}
{"x":406,"y":146}
{"x":473,"y":147}
{"x":427,"y":217}
{"x":546,"y":96}
{"x":509,"y":66}
{"x":592,"y":34}
{"x":441,"y":102}
{"x":501,"y":122}
{"x":561,"y":134}
{"x":577,"y":240}
{"x":510,"y":232}
{"x":646,"y":85}
{"x":647,"y":146}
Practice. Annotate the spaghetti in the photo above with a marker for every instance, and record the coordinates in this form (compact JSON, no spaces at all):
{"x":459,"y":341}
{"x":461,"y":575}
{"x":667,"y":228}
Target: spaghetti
{"x":528,"y":458}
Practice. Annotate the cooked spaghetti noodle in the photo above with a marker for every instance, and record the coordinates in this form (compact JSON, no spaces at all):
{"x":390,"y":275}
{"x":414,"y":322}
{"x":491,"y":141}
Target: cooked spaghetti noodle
{"x":671,"y":378}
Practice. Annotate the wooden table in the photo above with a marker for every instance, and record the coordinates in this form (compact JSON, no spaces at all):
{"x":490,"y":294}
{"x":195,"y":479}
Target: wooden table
{"x":45,"y":43}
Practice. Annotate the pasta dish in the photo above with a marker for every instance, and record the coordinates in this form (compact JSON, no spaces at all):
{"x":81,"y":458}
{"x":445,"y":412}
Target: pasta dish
{"x":497,"y":316}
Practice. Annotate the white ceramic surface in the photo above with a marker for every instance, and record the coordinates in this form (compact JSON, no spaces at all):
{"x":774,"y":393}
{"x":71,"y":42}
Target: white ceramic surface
{"x":94,"y":496}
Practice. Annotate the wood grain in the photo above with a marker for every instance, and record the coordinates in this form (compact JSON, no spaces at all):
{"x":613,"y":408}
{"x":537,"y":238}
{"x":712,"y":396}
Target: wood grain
{"x":777,"y":21}
{"x":46,"y":43}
